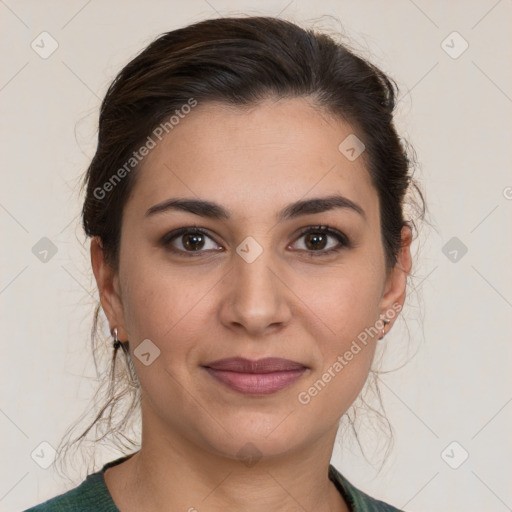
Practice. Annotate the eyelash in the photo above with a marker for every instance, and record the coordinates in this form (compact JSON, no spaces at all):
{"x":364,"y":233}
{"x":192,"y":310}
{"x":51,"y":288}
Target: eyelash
{"x":343,"y":241}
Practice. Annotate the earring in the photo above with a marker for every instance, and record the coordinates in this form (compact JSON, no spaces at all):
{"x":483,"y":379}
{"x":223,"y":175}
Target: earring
{"x":386,"y":322}
{"x":116,"y":343}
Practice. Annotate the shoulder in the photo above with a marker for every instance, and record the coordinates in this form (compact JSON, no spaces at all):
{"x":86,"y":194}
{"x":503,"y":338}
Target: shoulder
{"x":91,"y":495}
{"x":357,"y":500}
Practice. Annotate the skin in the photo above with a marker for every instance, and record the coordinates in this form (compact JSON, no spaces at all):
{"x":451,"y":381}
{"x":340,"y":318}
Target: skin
{"x":287,"y":303}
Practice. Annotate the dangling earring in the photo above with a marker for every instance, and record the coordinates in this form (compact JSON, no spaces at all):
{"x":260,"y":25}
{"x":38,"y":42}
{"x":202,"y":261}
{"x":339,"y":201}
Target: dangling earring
{"x":386,"y":322}
{"x":116,"y":343}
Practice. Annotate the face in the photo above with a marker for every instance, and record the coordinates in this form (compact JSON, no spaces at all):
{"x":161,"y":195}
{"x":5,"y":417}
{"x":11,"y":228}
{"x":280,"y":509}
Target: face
{"x":249,"y":235}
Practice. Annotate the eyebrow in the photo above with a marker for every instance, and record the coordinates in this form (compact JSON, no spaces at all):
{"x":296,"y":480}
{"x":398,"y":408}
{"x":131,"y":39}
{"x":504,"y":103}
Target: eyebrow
{"x":213,"y":210}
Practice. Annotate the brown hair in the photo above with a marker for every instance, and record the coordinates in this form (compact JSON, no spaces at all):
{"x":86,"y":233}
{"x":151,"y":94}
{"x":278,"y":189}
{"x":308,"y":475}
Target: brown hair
{"x":236,"y":61}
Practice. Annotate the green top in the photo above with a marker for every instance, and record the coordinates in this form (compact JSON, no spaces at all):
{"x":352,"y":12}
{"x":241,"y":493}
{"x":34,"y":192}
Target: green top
{"x":92,"y":495}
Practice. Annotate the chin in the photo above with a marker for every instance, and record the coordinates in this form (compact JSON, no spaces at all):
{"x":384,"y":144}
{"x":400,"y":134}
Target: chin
{"x":254,"y":435}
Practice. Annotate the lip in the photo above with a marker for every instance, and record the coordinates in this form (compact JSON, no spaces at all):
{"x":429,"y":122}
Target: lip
{"x":260,"y":377}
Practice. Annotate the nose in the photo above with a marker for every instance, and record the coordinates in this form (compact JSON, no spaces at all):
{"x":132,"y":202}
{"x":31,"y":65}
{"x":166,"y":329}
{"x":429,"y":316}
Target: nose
{"x":256,"y":300}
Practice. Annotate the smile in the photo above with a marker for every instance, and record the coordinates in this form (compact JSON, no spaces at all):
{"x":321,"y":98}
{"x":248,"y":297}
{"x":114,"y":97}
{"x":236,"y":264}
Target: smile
{"x":261,"y":377}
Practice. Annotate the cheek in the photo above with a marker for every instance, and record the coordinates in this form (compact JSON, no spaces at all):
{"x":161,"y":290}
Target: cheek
{"x":347,"y":303}
{"x":162,"y":303}
{"x":346,"y":299}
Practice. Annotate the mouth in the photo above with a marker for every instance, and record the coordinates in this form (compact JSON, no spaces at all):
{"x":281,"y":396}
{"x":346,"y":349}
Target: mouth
{"x":261,"y":377}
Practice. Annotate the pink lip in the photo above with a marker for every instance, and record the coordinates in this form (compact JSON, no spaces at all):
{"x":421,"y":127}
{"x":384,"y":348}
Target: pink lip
{"x":260,"y":377}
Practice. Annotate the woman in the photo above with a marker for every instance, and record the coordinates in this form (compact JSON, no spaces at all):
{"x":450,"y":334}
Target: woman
{"x":246,"y":209}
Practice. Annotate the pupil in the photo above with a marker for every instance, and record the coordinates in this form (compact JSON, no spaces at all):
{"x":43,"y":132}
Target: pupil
{"x":193,"y":241}
{"x":316,"y":241}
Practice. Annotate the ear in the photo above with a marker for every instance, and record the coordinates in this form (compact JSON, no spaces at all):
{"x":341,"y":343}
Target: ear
{"x":107,"y":280}
{"x":394,"y":292}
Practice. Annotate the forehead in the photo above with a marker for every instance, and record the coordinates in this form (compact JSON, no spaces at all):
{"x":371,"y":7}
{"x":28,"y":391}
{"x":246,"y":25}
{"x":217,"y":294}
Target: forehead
{"x":254,"y":160}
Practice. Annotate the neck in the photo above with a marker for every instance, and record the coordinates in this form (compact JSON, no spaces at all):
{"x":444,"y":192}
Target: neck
{"x":172,"y":473}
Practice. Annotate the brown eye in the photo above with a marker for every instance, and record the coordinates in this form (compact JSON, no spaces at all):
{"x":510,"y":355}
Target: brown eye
{"x":315,"y":241}
{"x":193,"y":241}
{"x":321,"y":240}
{"x":190,"y":240}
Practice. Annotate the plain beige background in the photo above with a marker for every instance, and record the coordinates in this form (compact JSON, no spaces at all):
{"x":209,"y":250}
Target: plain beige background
{"x":455,"y":109}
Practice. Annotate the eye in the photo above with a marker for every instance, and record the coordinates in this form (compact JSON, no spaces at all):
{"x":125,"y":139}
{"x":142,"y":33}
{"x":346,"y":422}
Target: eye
{"x":315,"y":240}
{"x":322,"y":240}
{"x":190,"y":240}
